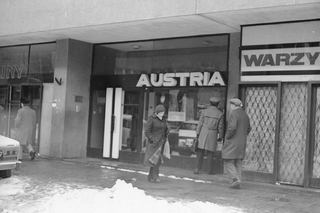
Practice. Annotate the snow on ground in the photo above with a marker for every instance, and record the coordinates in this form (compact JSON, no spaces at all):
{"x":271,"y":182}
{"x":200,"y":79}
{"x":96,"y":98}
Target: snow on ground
{"x":122,"y":197}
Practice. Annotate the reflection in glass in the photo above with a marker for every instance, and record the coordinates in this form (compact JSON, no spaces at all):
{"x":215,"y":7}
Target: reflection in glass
{"x":14,"y":64}
{"x":97,"y":119}
{"x":42,"y":63}
{"x":183,"y":109}
{"x":130,"y":118}
{"x":196,"y":54}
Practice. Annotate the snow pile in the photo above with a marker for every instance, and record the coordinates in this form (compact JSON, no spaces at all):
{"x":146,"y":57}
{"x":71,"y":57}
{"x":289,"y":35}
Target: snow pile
{"x":123,"y":197}
{"x":12,"y":186}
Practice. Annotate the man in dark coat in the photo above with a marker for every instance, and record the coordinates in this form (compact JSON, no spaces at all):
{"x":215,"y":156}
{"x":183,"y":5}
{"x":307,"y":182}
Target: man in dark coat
{"x":25,"y":123}
{"x":210,"y":127}
{"x":234,"y":147}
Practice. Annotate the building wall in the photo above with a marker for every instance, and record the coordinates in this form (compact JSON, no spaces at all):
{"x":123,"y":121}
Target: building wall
{"x":16,"y":15}
{"x":46,"y":118}
{"x":70,"y":116}
{"x":234,"y":66}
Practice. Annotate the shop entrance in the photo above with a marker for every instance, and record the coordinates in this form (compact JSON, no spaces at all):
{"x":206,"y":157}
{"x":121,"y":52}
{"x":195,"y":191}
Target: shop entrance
{"x":277,"y":146}
{"x":10,"y":104}
{"x":115,"y":123}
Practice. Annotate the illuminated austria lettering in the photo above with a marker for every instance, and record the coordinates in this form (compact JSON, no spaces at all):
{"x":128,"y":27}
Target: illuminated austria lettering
{"x":171,"y":79}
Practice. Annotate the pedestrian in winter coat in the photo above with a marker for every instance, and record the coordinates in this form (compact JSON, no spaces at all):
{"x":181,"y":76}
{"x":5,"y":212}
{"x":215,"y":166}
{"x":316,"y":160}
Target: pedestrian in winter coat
{"x":210,"y":127}
{"x":234,"y":146}
{"x":156,"y":132}
{"x":25,"y":123}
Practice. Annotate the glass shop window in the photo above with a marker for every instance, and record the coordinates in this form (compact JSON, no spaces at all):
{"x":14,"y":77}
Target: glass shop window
{"x":14,"y":64}
{"x":183,"y":109}
{"x":205,"y":53}
{"x":42,"y":63}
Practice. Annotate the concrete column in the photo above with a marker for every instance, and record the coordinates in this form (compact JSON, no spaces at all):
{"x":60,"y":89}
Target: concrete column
{"x":234,"y":65}
{"x":71,"y":92}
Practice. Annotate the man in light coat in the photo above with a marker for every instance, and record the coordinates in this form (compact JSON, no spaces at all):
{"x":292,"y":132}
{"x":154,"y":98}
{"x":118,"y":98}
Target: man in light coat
{"x":234,"y":146}
{"x":25,"y":123}
{"x":211,"y":123}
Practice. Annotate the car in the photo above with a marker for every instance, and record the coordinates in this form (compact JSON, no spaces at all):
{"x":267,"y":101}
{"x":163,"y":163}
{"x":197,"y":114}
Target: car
{"x":182,"y":139}
{"x":9,"y":155}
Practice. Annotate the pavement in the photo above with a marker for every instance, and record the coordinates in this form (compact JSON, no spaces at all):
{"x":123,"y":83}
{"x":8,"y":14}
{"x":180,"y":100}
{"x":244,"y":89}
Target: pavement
{"x":176,"y":184}
{"x":253,"y":196}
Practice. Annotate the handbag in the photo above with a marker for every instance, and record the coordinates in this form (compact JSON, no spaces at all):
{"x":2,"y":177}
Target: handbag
{"x":166,"y":150}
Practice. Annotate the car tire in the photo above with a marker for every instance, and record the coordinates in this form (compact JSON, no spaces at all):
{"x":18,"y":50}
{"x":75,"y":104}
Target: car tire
{"x":5,"y":173}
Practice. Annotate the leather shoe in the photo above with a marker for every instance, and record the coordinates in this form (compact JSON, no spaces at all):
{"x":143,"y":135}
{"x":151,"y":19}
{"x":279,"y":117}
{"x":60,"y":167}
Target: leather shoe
{"x":32,"y":155}
{"x":236,"y":184}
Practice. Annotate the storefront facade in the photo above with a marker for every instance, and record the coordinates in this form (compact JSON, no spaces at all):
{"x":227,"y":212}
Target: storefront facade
{"x":280,"y":68}
{"x":95,"y":72}
{"x":24,"y":70}
{"x":130,"y":79}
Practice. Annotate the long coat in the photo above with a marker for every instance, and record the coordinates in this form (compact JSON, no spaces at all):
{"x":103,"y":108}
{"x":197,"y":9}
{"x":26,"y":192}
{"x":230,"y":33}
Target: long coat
{"x":210,"y":124}
{"x":234,"y":146}
{"x":156,"y":131}
{"x":25,"y":123}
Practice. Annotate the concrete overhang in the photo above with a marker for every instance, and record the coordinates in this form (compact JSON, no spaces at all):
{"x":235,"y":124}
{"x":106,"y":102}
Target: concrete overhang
{"x":167,"y":27}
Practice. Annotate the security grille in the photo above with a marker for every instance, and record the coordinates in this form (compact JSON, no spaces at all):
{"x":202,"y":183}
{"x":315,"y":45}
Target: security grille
{"x":293,"y":131}
{"x":261,"y":106}
{"x":316,"y":156}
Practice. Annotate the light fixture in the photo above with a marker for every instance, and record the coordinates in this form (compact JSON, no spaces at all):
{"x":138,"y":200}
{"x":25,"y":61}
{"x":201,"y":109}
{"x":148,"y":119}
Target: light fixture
{"x":162,"y":98}
{"x":207,"y":43}
{"x":136,"y":47}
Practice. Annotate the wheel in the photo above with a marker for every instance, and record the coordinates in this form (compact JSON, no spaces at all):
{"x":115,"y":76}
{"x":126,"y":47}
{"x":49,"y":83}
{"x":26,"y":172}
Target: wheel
{"x":5,"y":173}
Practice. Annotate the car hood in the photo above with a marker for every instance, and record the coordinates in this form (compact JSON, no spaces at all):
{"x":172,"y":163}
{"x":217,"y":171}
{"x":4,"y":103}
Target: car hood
{"x":5,"y":141}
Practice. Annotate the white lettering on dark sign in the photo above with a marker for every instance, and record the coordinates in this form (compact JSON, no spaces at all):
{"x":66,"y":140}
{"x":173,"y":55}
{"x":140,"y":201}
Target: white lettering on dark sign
{"x":171,"y":79}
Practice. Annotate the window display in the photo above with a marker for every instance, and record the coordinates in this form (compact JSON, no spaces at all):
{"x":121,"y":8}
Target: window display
{"x":183,"y":109}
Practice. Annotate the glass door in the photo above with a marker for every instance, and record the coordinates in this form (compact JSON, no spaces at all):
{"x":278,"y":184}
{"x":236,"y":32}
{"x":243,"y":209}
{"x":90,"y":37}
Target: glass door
{"x":10,"y":104}
{"x":3,"y":110}
{"x":114,"y":122}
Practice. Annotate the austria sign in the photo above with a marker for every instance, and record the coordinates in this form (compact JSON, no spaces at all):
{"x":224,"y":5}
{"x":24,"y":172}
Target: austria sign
{"x":181,"y":79}
{"x":286,"y":59}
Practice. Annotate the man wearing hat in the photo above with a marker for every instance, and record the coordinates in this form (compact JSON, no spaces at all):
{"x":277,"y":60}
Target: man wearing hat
{"x":211,"y":123}
{"x":234,"y":147}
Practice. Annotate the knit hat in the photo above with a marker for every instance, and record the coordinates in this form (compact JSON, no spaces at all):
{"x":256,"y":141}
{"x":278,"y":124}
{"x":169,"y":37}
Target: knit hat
{"x":159,"y":108}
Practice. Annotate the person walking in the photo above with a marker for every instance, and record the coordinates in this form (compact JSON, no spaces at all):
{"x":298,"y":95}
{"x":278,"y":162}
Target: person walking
{"x":234,"y":147}
{"x":25,"y":123}
{"x":156,"y":132}
{"x":210,"y":127}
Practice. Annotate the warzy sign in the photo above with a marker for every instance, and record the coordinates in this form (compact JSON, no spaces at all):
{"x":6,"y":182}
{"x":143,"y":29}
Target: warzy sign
{"x":306,"y":58}
{"x":181,"y":79}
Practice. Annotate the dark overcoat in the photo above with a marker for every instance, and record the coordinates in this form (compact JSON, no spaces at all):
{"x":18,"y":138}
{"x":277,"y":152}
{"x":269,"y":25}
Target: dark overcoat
{"x":156,"y":131}
{"x":25,"y":123}
{"x":234,"y":146}
{"x":210,"y":124}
